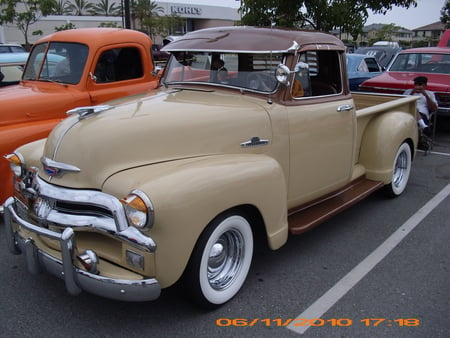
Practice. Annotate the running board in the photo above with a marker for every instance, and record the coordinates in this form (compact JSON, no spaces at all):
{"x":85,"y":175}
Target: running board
{"x":312,"y":214}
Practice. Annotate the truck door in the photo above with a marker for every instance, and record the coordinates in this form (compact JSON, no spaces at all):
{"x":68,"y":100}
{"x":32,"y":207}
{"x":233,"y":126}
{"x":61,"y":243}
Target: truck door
{"x":321,"y":126}
{"x":119,"y":72}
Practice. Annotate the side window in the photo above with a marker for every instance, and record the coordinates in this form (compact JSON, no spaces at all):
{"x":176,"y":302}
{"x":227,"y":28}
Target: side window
{"x":118,"y":64}
{"x":317,"y":73}
{"x":372,"y":65}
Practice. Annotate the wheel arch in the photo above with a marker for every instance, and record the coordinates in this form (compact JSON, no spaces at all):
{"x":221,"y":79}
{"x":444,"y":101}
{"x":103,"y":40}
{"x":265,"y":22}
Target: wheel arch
{"x":190,"y":194}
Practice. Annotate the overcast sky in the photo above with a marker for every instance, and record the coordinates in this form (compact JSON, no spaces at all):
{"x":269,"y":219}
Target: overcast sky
{"x":426,"y":12}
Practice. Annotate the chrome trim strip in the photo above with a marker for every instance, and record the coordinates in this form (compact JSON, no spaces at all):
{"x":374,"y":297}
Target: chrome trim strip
{"x":62,"y":135}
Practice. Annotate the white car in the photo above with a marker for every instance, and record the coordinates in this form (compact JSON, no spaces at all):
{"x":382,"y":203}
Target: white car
{"x":11,"y":67}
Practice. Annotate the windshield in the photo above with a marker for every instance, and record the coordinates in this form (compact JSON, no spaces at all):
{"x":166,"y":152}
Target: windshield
{"x":254,"y":72}
{"x":422,"y":63}
{"x":58,"y":62}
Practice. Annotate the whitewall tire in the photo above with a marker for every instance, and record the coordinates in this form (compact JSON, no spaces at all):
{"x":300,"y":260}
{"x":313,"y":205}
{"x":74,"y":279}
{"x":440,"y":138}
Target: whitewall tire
{"x":401,"y":171}
{"x":221,"y":260}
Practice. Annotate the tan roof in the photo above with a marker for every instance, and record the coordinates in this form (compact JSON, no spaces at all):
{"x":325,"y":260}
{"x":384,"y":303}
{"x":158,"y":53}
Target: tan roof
{"x":253,"y":39}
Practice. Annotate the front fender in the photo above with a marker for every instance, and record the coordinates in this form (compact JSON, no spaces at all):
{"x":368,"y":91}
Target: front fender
{"x":188,"y":194}
{"x":381,"y":140}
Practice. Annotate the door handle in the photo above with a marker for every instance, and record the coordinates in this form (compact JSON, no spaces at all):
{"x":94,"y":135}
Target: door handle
{"x":344,"y":107}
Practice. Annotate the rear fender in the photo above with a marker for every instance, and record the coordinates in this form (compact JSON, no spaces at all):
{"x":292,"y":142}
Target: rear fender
{"x":381,"y":140}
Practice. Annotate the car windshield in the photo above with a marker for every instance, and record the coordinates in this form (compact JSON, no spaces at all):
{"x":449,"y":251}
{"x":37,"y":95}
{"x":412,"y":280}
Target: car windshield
{"x":254,"y":72}
{"x":58,"y":62}
{"x":434,"y":63}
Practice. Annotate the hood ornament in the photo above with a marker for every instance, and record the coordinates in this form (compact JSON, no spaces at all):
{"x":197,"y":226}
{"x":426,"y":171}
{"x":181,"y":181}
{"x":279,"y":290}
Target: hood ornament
{"x":84,"y":112}
{"x":57,"y":169}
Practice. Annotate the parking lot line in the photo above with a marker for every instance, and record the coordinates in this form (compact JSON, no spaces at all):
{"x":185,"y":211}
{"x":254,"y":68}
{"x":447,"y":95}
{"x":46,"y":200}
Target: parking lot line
{"x":325,"y":302}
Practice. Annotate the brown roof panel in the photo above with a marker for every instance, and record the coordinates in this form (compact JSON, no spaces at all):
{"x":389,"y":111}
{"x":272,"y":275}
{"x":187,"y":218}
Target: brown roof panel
{"x":253,"y":39}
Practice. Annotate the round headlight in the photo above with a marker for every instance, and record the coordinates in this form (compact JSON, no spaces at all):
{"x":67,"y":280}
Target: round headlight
{"x":138,"y":209}
{"x":16,"y":163}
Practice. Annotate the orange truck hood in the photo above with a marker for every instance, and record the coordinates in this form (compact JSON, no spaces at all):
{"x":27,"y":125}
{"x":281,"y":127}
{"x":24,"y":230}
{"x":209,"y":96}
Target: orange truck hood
{"x":27,"y":102}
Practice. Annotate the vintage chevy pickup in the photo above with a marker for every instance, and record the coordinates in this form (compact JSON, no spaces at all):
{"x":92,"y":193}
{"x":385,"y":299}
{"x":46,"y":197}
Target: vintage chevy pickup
{"x":67,"y":69}
{"x":253,"y":134}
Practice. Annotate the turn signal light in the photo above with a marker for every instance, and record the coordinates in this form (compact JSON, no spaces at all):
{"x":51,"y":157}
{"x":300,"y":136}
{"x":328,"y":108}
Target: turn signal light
{"x":16,"y":163}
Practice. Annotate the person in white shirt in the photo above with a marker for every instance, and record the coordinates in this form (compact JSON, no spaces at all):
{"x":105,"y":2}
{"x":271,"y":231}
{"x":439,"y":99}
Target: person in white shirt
{"x":426,"y":104}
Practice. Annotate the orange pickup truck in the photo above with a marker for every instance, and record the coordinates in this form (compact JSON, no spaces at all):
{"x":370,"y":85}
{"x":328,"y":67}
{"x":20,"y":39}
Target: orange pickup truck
{"x":67,"y":69}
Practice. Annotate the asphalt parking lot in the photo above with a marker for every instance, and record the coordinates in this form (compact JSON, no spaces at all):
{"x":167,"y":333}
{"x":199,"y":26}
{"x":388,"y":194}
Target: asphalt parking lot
{"x":379,"y":269}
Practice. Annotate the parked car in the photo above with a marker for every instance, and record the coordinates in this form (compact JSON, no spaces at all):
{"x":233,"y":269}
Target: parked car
{"x":432,"y":62}
{"x":360,"y":68}
{"x":445,"y":39}
{"x":11,"y":48}
{"x":158,"y":54}
{"x":387,"y":44}
{"x":383,"y":54}
{"x":68,"y":69}
{"x":11,"y":67}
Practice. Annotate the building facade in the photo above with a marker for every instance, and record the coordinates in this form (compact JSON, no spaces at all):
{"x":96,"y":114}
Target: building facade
{"x":195,"y":17}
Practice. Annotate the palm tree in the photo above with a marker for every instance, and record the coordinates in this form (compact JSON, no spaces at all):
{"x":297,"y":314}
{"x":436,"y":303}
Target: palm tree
{"x":80,"y":7}
{"x":60,"y":7}
{"x":106,"y":9}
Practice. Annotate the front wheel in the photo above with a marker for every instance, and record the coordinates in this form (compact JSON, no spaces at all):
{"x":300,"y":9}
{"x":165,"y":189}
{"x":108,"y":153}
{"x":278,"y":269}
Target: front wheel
{"x":220,"y":262}
{"x":401,"y":171}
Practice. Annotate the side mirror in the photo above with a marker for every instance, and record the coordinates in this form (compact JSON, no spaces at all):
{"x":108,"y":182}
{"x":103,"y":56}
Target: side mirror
{"x":156,"y":71}
{"x":300,"y":67}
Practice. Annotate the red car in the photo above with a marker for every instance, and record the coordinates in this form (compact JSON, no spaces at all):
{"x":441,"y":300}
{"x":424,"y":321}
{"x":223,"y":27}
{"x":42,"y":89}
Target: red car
{"x":432,"y":62}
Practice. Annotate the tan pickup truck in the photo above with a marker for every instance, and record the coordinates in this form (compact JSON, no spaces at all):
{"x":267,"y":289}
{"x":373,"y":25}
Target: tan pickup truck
{"x":253,"y":134}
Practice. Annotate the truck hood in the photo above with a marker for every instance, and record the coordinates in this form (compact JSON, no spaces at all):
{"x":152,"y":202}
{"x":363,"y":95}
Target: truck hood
{"x":29,"y":102}
{"x":164,"y":126}
{"x":405,"y":80}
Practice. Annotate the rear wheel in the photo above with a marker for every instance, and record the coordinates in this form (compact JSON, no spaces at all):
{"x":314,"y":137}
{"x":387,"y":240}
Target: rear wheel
{"x":220,"y":262}
{"x":401,"y":171}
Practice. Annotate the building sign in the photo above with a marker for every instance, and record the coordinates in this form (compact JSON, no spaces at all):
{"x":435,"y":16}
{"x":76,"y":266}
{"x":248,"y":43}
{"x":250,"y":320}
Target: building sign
{"x":185,"y":10}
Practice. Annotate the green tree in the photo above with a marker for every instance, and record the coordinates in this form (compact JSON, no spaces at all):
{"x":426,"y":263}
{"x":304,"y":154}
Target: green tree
{"x":61,"y":7}
{"x":65,"y":27}
{"x":445,"y":14}
{"x":104,"y":7}
{"x":284,"y":13}
{"x":386,"y":32}
{"x":80,"y":7}
{"x":110,"y":25}
{"x":24,"y":13}
{"x":145,"y":11}
{"x":324,"y":15}
{"x":166,"y":25}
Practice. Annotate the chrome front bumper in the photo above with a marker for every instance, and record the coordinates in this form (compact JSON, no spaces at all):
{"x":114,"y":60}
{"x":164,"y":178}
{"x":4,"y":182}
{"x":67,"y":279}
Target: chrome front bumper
{"x":76,"y":280}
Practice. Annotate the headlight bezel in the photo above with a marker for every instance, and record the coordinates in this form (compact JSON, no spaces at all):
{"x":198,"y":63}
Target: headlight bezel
{"x":138,"y":209}
{"x":17,"y":164}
